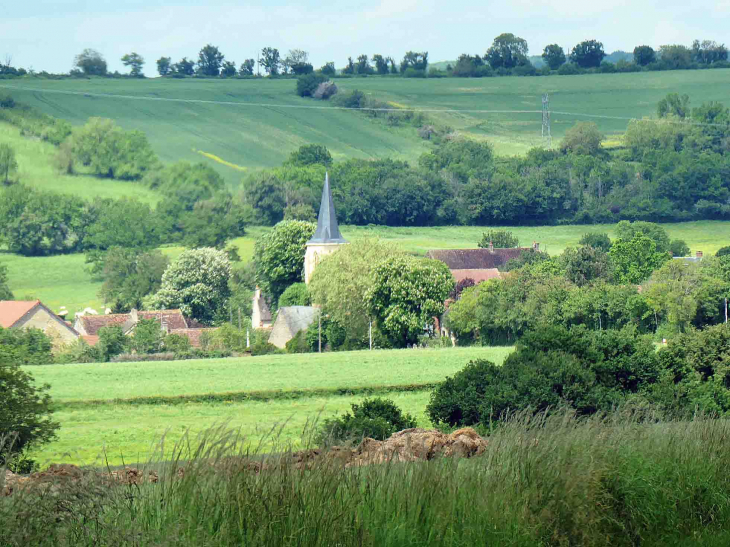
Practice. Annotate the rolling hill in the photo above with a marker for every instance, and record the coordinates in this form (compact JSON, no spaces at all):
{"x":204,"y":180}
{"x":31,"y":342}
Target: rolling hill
{"x":250,"y":124}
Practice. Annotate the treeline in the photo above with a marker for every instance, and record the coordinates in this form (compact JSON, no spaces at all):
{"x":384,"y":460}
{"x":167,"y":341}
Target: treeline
{"x":674,"y":168}
{"x":507,"y":56}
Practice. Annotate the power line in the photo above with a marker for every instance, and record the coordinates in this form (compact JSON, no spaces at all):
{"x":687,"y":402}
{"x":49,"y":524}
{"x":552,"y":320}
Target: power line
{"x":369,"y":109}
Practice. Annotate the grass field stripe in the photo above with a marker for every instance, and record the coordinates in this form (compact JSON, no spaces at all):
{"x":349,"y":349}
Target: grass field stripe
{"x":239,"y":396}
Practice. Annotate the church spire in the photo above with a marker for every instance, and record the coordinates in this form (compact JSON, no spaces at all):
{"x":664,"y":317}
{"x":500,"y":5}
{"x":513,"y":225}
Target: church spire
{"x":327,"y":229}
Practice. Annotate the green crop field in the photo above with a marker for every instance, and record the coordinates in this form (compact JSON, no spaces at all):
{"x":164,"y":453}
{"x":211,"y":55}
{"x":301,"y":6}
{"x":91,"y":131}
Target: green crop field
{"x":35,"y":169}
{"x":63,"y":280}
{"x":257,"y":123}
{"x":300,"y":388}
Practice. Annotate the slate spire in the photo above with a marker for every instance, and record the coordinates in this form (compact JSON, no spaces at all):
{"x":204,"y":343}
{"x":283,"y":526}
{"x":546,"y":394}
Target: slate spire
{"x":327,"y":229}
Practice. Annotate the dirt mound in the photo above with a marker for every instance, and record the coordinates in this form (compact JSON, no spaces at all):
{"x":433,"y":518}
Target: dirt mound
{"x":420,"y":444}
{"x":132,"y":475}
{"x":408,"y":445}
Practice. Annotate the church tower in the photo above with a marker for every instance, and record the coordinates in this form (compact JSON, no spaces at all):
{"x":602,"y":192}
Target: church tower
{"x":327,"y":239}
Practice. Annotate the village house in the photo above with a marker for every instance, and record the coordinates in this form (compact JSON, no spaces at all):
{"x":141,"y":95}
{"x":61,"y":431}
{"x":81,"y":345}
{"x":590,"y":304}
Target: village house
{"x":20,"y":314}
{"x":478,"y":259}
{"x":289,"y":321}
{"x":261,"y":313}
{"x":171,"y":322}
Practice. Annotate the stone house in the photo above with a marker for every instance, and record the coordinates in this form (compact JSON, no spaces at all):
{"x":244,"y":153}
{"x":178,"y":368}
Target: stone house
{"x":289,"y":321}
{"x":19,"y":314}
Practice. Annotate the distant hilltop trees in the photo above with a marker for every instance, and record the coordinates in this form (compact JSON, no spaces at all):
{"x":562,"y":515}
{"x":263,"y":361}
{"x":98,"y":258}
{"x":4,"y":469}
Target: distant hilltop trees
{"x":508,"y":55}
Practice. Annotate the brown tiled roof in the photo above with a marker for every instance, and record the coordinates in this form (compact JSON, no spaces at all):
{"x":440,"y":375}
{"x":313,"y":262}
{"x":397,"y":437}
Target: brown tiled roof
{"x":476,"y":275}
{"x":174,"y":318}
{"x":192,"y":334}
{"x":91,"y":339}
{"x":92,"y":323}
{"x":11,"y":311}
{"x":475,"y":259}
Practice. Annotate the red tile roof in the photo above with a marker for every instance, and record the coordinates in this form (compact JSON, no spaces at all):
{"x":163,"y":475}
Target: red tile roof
{"x":475,"y":259}
{"x":92,"y":340}
{"x":174,"y":318}
{"x":11,"y":311}
{"x":191,"y":334}
{"x":92,"y":323}
{"x":476,"y":275}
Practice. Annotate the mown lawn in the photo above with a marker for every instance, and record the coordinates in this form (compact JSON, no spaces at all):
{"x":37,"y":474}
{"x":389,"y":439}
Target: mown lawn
{"x":336,"y":370}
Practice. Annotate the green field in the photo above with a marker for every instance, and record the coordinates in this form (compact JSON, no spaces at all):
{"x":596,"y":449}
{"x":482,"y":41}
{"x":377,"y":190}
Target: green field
{"x":63,"y":281}
{"x":91,"y":419}
{"x":35,"y":169}
{"x":262,"y":121}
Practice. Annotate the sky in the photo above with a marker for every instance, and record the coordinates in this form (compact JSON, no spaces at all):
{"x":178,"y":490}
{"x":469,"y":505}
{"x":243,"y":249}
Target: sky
{"x":46,"y":35}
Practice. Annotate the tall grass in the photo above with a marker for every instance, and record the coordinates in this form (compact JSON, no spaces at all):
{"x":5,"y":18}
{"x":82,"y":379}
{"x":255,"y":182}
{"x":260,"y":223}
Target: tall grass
{"x":611,"y":480}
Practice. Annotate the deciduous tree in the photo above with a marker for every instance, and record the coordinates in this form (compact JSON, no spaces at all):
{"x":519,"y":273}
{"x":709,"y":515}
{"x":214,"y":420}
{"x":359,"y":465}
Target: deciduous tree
{"x":197,"y":284}
{"x":406,"y":295}
{"x":91,"y":62}
{"x":635,"y":259}
{"x":644,"y":55}
{"x":210,"y":60}
{"x":554,"y":56}
{"x":507,"y":51}
{"x":588,"y":54}
{"x":135,"y":61}
{"x":279,"y":256}
{"x":271,"y":60}
{"x":164,"y":64}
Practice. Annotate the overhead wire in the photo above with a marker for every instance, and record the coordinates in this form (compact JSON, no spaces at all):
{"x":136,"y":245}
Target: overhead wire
{"x":368,"y":109}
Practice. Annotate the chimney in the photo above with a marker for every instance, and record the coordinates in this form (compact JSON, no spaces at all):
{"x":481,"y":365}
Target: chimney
{"x":491,"y":247}
{"x":699,"y":254}
{"x":163,"y":326}
{"x":133,"y":316}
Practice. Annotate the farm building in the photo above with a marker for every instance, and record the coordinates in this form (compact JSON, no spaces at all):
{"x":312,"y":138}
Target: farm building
{"x":478,"y":259}
{"x":19,"y":314}
{"x":89,"y":325}
{"x":289,"y":321}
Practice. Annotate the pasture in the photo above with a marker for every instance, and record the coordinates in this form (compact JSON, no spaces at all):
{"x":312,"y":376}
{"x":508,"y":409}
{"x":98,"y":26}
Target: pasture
{"x":125,"y":408}
{"x":252,"y":124}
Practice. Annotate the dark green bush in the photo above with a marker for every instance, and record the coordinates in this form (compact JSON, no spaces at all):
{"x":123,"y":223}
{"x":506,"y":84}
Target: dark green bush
{"x":298,"y":344}
{"x":722,"y":251}
{"x":597,"y":241}
{"x":308,"y":83}
{"x":376,"y":418}
{"x":25,"y":347}
{"x":500,"y":239}
{"x":586,"y":371}
{"x":295,"y":295}
{"x":679,"y":247}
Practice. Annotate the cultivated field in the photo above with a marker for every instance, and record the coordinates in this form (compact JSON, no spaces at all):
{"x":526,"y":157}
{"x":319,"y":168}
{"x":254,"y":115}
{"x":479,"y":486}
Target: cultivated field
{"x":127,"y":407}
{"x":262,"y":121}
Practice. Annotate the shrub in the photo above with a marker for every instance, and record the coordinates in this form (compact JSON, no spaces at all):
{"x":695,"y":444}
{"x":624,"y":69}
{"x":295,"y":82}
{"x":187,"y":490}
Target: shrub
{"x":295,"y":295}
{"x":25,"y":347}
{"x":375,"y":418}
{"x":679,"y":247}
{"x":353,"y":99}
{"x":298,"y":344}
{"x":25,"y":412}
{"x":308,"y":84}
{"x":501,"y":239}
{"x":597,"y":241}
{"x":586,"y":371}
{"x":723,"y":251}
{"x":568,"y":69}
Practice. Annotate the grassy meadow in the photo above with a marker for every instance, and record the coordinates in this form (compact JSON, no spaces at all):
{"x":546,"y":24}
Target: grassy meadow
{"x":36,"y":169}
{"x":126,"y":407}
{"x":252,"y":124}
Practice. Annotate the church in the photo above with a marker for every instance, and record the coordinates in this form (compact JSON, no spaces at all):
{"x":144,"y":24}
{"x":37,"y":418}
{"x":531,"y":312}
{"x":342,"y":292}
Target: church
{"x":326,"y":240}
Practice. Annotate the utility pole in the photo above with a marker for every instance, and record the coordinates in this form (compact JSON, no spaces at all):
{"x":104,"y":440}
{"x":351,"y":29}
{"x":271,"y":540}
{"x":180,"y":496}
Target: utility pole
{"x":726,"y":310}
{"x":546,"y":136}
{"x":239,"y":317}
{"x":319,"y":319}
{"x":371,"y":330}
